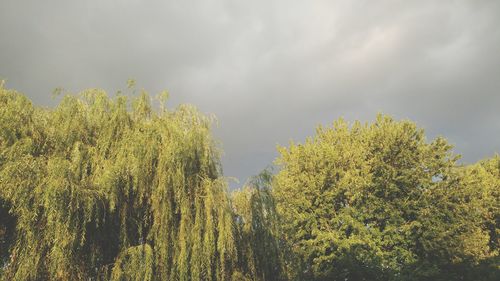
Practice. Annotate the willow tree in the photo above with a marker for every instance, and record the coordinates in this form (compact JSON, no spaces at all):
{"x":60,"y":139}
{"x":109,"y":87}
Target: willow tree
{"x":106,"y":188}
{"x":380,"y":202}
{"x":261,"y":251}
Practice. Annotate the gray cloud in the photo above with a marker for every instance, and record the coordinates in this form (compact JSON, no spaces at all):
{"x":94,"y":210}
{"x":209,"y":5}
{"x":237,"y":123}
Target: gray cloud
{"x":272,"y":70}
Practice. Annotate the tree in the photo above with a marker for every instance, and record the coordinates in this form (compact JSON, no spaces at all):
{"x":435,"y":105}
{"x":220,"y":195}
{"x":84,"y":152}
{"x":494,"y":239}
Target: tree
{"x":377,"y":202}
{"x":101,"y":187}
{"x":261,"y":253}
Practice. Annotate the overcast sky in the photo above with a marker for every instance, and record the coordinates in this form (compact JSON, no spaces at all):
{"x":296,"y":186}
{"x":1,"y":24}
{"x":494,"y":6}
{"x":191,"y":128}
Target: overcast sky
{"x":271,"y":71}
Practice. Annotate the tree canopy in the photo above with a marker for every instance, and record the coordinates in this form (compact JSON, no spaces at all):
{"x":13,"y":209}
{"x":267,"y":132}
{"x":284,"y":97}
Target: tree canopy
{"x":118,"y":188}
{"x":379,"y":202}
{"x":105,"y":187}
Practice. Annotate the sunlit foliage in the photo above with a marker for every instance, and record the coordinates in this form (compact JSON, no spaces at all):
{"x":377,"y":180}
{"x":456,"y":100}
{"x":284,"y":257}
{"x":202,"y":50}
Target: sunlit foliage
{"x":122,"y":188}
{"x":105,"y":188}
{"x":379,"y":202}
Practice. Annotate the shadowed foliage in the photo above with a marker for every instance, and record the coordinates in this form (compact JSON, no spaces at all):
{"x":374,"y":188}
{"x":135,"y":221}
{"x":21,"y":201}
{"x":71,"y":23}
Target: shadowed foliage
{"x":261,"y":252}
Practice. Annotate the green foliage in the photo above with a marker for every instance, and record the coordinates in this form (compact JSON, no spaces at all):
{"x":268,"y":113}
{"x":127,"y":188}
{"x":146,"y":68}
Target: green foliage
{"x":135,"y":263}
{"x":379,"y":202}
{"x":100,"y":185}
{"x":7,"y":228}
{"x":260,"y":249}
{"x":103,"y":188}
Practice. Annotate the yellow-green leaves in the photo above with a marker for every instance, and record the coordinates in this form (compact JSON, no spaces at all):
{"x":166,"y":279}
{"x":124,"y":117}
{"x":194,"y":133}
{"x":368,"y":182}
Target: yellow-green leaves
{"x":378,"y":202}
{"x":135,"y":263}
{"x":102,"y":188}
{"x":103,"y":192}
{"x":261,"y":252}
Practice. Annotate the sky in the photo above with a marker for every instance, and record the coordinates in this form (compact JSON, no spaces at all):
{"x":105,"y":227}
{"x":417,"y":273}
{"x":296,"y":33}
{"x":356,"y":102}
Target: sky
{"x":272,"y":71}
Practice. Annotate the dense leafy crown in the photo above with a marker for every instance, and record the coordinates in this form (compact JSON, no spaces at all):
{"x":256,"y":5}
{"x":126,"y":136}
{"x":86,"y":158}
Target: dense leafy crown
{"x":107,"y":188}
{"x":379,"y":202}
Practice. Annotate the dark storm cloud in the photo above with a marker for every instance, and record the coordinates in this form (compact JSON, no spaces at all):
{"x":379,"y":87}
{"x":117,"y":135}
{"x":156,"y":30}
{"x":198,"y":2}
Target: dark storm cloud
{"x":272,"y":70}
